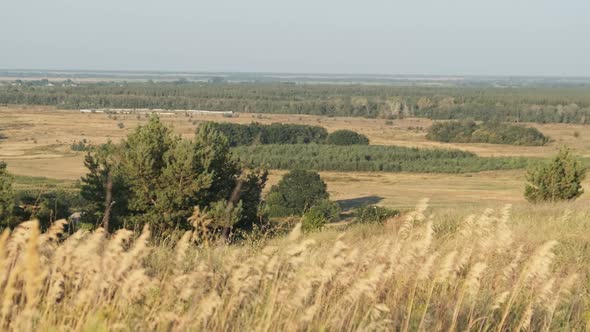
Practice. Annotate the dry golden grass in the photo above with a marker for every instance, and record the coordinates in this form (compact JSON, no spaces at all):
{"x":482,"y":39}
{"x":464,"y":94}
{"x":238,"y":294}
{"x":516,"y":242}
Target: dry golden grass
{"x":488,"y":272}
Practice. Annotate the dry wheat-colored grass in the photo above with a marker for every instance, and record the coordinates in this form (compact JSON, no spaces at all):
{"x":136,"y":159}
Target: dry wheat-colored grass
{"x":418,"y":274}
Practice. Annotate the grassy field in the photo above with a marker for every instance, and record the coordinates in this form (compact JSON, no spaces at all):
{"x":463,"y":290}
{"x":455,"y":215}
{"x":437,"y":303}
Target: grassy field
{"x":38,"y":138}
{"x":38,"y":142}
{"x":507,"y":269}
{"x":465,"y":260}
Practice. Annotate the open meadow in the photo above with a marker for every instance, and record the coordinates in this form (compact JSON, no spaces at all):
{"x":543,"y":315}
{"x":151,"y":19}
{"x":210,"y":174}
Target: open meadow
{"x":38,"y":140}
{"x":474,"y":255}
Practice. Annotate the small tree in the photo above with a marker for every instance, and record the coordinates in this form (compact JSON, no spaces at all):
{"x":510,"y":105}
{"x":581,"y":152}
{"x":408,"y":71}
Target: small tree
{"x":559,"y":180}
{"x":297,"y":191}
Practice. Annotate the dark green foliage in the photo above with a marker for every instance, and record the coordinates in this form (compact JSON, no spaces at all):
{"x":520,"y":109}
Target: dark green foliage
{"x":313,"y":221}
{"x":374,"y":214}
{"x":6,"y":195}
{"x":276,"y":133}
{"x":346,"y":137}
{"x":250,"y":193}
{"x":297,"y":191}
{"x":103,"y":165}
{"x":159,"y":178}
{"x":328,"y":209}
{"x":559,"y":180}
{"x":488,"y":132}
{"x":372,"y":158}
{"x":81,"y":145}
{"x":47,"y":207}
{"x":320,"y":214}
{"x":520,"y":104}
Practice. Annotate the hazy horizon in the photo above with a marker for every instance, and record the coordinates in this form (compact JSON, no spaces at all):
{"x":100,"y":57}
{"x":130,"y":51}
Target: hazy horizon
{"x":425,"y":37}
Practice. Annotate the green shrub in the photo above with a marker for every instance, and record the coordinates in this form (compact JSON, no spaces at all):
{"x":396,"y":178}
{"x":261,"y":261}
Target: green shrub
{"x":313,"y":221}
{"x":297,"y":191}
{"x":559,"y":180}
{"x":318,"y":215}
{"x":329,"y":209}
{"x":374,"y":214}
{"x":346,"y":137}
{"x":82,"y":145}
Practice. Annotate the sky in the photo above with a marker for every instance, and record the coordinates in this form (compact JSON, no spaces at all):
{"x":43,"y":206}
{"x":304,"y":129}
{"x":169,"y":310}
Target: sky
{"x":411,"y":37}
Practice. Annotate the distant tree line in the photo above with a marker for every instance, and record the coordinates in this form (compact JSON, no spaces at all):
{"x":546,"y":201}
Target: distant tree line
{"x":371,"y":158}
{"x":487,"y":132}
{"x":530,"y":104}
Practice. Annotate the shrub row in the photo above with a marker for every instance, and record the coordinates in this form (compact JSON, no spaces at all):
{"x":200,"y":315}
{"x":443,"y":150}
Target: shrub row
{"x":372,"y":158}
{"x":487,"y":132}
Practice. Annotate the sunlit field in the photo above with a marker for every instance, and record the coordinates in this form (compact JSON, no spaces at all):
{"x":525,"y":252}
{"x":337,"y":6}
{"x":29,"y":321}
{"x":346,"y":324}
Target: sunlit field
{"x":503,"y":269}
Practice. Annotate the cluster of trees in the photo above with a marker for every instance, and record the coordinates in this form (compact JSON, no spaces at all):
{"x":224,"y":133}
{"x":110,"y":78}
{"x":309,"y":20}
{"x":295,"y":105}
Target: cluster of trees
{"x":371,"y":158}
{"x":347,"y":137}
{"x":275,"y":133}
{"x":278,"y":133}
{"x":488,"y":132}
{"x":534,"y":104}
{"x":157,"y":177}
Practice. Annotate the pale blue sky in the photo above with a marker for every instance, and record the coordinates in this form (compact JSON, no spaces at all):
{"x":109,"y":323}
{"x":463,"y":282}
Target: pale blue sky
{"x":442,"y":37}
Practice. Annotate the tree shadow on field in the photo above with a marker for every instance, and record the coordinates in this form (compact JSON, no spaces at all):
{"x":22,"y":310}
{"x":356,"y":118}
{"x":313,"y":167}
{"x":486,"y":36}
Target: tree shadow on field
{"x":353,"y":203}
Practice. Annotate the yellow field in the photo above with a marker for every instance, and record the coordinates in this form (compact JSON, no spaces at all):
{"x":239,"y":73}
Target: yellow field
{"x":38,"y":144}
{"x":509,"y":269}
{"x":447,"y":265}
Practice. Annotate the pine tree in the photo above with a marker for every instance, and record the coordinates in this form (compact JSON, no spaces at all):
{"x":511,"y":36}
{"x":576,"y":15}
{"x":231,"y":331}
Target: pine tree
{"x":559,"y":180}
{"x":159,"y":178}
{"x":103,"y":167}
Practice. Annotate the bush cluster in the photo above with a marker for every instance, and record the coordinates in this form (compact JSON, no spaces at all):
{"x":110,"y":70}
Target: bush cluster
{"x":374,"y":214}
{"x":276,"y":133}
{"x":346,"y":137}
{"x":325,"y":211}
{"x":372,"y":158}
{"x":82,"y":145}
{"x":487,"y":132}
